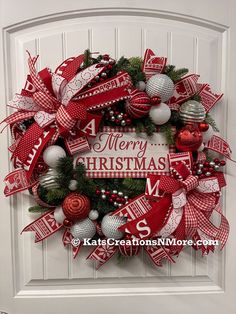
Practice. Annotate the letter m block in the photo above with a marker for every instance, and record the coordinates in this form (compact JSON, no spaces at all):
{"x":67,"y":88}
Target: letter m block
{"x":152,"y":186}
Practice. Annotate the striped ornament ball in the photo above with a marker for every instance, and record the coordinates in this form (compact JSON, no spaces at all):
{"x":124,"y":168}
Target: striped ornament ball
{"x":138,"y":105}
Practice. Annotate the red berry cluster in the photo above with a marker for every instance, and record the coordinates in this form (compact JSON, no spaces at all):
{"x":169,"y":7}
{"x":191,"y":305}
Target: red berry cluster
{"x":114,"y":197}
{"x":207,"y":168}
{"x":119,"y":118}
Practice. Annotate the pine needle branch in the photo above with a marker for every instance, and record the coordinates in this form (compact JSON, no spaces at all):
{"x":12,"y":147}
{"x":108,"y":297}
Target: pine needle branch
{"x":87,"y":58}
{"x":134,"y":187}
{"x":211,"y":122}
{"x":175,"y":75}
{"x":167,"y":130}
{"x":64,"y":171}
{"x":37,"y":209}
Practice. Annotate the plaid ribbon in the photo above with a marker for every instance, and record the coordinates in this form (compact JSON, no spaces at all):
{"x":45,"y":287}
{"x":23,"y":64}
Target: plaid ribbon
{"x":49,"y":102}
{"x":201,"y":199}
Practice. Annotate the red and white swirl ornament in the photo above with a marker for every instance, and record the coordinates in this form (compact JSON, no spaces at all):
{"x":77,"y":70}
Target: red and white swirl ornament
{"x":138,"y":105}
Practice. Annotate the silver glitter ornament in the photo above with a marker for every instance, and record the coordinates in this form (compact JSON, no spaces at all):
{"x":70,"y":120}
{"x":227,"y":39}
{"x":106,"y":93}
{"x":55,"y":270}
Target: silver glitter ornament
{"x":160,"y":85}
{"x":73,"y":185}
{"x":110,"y":225}
{"x":48,"y":180}
{"x":103,"y":75}
{"x":217,"y":168}
{"x":192,"y":112}
{"x":83,"y":229}
{"x":93,"y":214}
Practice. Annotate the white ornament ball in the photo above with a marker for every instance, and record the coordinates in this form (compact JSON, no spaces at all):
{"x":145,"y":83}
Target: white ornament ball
{"x":93,"y":214}
{"x":52,"y":154}
{"x":73,"y":185}
{"x":207,"y":135}
{"x":83,"y":229}
{"x":160,"y":114}
{"x":160,"y":85}
{"x":59,"y":215}
{"x":110,"y":225}
{"x":141,"y":85}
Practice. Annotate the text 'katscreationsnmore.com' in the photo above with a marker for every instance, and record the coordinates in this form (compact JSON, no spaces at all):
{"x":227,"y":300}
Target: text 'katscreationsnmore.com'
{"x":137,"y":242}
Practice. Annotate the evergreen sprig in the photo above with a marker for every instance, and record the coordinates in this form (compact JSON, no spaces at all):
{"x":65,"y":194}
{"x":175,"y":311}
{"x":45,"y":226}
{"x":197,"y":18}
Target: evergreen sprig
{"x":87,"y":59}
{"x":145,"y":125}
{"x":52,"y":197}
{"x":84,"y":185}
{"x":211,"y":122}
{"x":37,"y":209}
{"x":196,"y":97}
{"x":134,"y":187}
{"x":167,"y":130}
{"x":132,"y":66}
{"x":64,"y":171}
{"x":175,"y":75}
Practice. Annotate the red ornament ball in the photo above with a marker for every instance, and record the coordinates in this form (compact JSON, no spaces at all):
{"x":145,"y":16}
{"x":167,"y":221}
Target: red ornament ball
{"x":67,"y":223}
{"x":189,"y":138}
{"x":203,"y":126}
{"x":76,"y":206}
{"x":138,"y":105}
{"x":41,"y":167}
{"x":129,"y":250}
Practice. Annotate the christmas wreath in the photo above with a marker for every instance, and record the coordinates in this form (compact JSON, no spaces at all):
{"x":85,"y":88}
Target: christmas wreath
{"x":118,"y":155}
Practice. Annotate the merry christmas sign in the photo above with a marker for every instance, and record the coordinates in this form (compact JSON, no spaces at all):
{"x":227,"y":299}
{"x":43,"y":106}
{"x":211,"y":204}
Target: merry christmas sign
{"x":120,"y":152}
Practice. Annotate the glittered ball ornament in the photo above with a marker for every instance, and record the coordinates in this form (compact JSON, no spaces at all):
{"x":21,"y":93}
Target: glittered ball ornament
{"x":189,"y":138}
{"x":83,"y":229}
{"x":76,"y":206}
{"x":160,"y":114}
{"x":192,"y":112}
{"x":49,"y":180}
{"x":73,"y":185}
{"x":110,"y":225}
{"x":93,"y":214}
{"x":129,"y":250}
{"x":138,"y":105}
{"x":160,"y":85}
{"x":52,"y":154}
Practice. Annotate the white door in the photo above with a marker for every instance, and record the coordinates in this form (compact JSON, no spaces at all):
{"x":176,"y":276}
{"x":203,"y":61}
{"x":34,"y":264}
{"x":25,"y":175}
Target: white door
{"x":43,"y":278}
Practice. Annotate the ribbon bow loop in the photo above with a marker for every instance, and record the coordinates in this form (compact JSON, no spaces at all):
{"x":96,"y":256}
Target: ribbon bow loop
{"x":67,"y":117}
